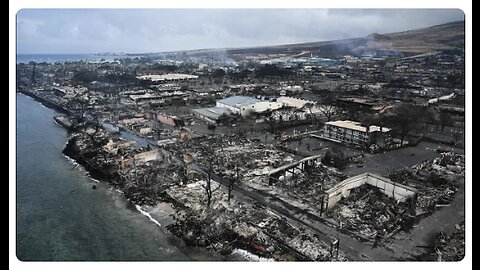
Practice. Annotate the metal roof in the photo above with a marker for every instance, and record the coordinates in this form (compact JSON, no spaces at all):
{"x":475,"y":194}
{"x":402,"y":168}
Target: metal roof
{"x":356,"y":126}
{"x":213,"y":112}
{"x":238,"y":101}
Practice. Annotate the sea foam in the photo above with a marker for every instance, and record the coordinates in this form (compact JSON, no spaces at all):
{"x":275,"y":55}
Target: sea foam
{"x":147,"y":215}
{"x":250,"y":256}
{"x":75,"y":165}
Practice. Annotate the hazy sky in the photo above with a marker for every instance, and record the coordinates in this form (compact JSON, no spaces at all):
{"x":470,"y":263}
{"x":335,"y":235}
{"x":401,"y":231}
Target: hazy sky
{"x":156,"y":30}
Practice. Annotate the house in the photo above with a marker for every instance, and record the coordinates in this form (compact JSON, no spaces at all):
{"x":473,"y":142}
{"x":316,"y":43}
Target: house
{"x":353,"y":133}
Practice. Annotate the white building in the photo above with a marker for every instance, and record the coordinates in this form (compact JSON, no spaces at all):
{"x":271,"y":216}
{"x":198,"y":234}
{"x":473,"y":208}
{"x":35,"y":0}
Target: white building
{"x":246,"y":105}
{"x":172,"y":77}
{"x":293,"y":102}
{"x":353,"y":133}
{"x":210,"y":115}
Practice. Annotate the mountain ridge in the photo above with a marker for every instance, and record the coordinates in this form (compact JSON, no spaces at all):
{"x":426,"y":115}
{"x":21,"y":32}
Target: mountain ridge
{"x":448,"y":36}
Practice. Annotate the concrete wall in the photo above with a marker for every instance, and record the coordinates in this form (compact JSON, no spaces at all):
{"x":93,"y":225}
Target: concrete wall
{"x":293,"y":102}
{"x":265,"y":105}
{"x":113,"y":147}
{"x":146,"y":130}
{"x":148,"y":156}
{"x":231,"y":108}
{"x":165,"y":119}
{"x":342,"y":190}
{"x":155,"y":154}
{"x":205,"y":118}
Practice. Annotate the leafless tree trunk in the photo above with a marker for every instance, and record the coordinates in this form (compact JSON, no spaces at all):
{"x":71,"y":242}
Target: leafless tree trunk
{"x":232,"y":181}
{"x":405,"y":119}
{"x":328,"y":111}
{"x":208,"y":185}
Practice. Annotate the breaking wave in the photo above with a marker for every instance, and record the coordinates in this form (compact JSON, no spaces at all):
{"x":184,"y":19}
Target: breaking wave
{"x":57,"y":124}
{"x":147,"y":215}
{"x":73,"y":161}
{"x":75,"y":164}
{"x":250,"y":256}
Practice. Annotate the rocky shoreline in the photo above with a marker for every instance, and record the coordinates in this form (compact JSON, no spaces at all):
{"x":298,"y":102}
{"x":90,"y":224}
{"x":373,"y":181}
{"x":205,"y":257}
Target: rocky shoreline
{"x":228,"y":226}
{"x":225,"y":226}
{"x":196,"y":228}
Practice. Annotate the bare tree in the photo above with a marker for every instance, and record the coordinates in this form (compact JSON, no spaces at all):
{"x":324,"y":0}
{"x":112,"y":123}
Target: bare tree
{"x":232,"y":181}
{"x":227,"y":119}
{"x":368,"y":120}
{"x":270,"y":118}
{"x":405,"y":119}
{"x":429,"y":116}
{"x":79,"y":106}
{"x":208,"y":185}
{"x":309,"y":106}
{"x":157,"y":127}
{"x":212,"y":128}
{"x":445,"y":119}
{"x":456,"y":136}
{"x":328,"y":111}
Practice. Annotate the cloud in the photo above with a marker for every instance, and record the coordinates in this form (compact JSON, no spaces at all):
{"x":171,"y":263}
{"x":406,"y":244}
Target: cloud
{"x":154,"y":30}
{"x":28,"y":28}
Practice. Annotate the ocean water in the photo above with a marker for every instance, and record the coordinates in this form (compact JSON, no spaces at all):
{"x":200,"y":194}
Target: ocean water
{"x":59,"y":217}
{"x":52,"y":58}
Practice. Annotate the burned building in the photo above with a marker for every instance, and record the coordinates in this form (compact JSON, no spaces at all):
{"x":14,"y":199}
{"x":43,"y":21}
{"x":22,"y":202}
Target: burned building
{"x":353,"y":133}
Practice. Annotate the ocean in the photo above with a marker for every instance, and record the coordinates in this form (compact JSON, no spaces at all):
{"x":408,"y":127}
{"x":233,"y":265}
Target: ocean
{"x":52,"y":58}
{"x":59,"y":217}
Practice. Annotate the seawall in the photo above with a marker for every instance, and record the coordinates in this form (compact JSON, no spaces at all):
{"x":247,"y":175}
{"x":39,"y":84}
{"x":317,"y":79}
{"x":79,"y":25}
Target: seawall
{"x":46,"y":102}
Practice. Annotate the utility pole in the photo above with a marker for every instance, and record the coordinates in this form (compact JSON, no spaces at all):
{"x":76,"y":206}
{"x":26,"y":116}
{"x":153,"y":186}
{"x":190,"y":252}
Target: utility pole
{"x":334,"y":247}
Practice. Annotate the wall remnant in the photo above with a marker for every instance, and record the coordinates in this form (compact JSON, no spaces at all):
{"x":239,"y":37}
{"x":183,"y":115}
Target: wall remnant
{"x":341,"y":190}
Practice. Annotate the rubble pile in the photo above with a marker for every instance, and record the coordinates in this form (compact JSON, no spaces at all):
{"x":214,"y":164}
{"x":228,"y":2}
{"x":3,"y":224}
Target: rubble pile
{"x":303,"y":241}
{"x":303,"y":190}
{"x":450,"y":247}
{"x":142,"y":182}
{"x":226,"y":152}
{"x":307,"y":187}
{"x":369,"y":214}
{"x":165,"y":101}
{"x":222,"y":227}
{"x":227,"y":225}
{"x":436,"y":181}
{"x":145,"y":184}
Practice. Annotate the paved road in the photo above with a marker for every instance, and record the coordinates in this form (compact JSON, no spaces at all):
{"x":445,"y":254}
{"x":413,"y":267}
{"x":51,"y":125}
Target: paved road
{"x":443,"y":220}
{"x":353,"y":248}
{"x":406,"y":157}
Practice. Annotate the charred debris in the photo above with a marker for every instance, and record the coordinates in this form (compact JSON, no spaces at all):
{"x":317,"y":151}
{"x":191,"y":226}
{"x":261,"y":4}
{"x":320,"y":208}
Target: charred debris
{"x":272,"y":153}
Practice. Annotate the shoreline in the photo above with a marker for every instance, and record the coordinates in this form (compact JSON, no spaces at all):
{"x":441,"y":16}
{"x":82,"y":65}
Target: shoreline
{"x":191,"y":230}
{"x":47,"y":103}
{"x":181,"y":231}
